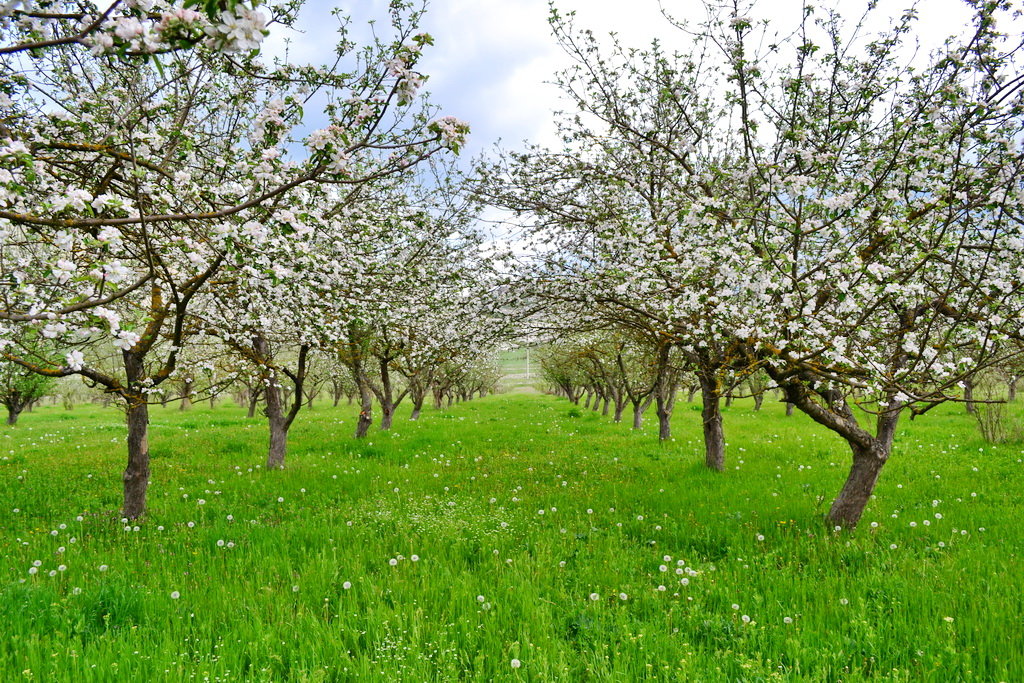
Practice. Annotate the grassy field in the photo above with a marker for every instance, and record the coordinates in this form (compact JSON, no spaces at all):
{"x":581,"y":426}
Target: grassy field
{"x":510,"y":538}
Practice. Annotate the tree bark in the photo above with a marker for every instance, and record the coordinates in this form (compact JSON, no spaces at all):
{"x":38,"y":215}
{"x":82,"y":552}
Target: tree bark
{"x":639,"y":407}
{"x":186,"y":397}
{"x":604,"y":409}
{"x":254,"y":399}
{"x":365,"y":409}
{"x":136,"y":473}
{"x":1012,"y":395}
{"x":972,"y":408}
{"x":758,"y":400}
{"x":711,"y":414}
{"x":849,"y":505}
{"x":870,"y":451}
{"x":12,"y":415}
{"x":278,"y":447}
{"x":789,"y":409}
{"x":279,"y":421}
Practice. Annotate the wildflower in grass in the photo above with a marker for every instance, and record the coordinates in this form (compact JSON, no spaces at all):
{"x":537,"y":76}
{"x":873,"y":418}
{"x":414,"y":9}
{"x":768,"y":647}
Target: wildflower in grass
{"x":103,"y":567}
{"x":191,"y":525}
{"x":623,"y":596}
{"x":948,"y":619}
{"x":346,"y":585}
{"x":220,"y":542}
{"x":60,"y":550}
{"x":561,"y":563}
{"x":844,"y":601}
{"x":79,"y":518}
{"x":201,"y":502}
{"x":231,"y":518}
{"x":938,"y":515}
{"x":295,"y":589}
{"x":662,"y":568}
{"x":414,"y":558}
{"x":745,"y":619}
{"x":735,"y":606}
{"x":595,"y":596}
{"x":480,"y":598}
{"x":893,"y":546}
{"x":515,"y":663}
{"x":33,"y":570}
{"x":686,"y":582}
{"x":787,"y":620}
{"x":874,"y":525}
{"x":760,"y":537}
{"x":280,"y":499}
{"x":53,"y":572}
{"x":662,"y":589}
{"x":37,"y":563}
{"x":175,"y":595}
{"x":160,"y":528}
{"x":393,"y":562}
{"x":62,"y":568}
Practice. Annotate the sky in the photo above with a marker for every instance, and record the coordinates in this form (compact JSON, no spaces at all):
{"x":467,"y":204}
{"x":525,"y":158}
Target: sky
{"x":493,"y":60}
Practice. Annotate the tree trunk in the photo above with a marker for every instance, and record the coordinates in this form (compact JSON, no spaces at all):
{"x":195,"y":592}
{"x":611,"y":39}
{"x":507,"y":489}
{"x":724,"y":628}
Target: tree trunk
{"x":1012,"y":395}
{"x":604,"y":409}
{"x":12,"y":415}
{"x":186,"y":397}
{"x":711,"y":414}
{"x":254,"y":399}
{"x":728,"y":400}
{"x":789,"y":409}
{"x":365,"y":410}
{"x":136,"y":473}
{"x":620,"y":405}
{"x":274,"y":411}
{"x":849,"y":505}
{"x":690,"y":391}
{"x":586,"y":403}
{"x":664,"y":413}
{"x":417,"y":397}
{"x":638,"y":415}
{"x":758,"y":400}
{"x":972,"y":408}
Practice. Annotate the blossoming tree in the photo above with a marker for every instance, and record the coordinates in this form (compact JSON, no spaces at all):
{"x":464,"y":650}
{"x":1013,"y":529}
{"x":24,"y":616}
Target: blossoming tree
{"x":125,"y":193}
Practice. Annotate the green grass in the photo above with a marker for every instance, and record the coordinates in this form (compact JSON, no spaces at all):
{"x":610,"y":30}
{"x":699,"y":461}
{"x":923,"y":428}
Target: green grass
{"x":297,"y":585}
